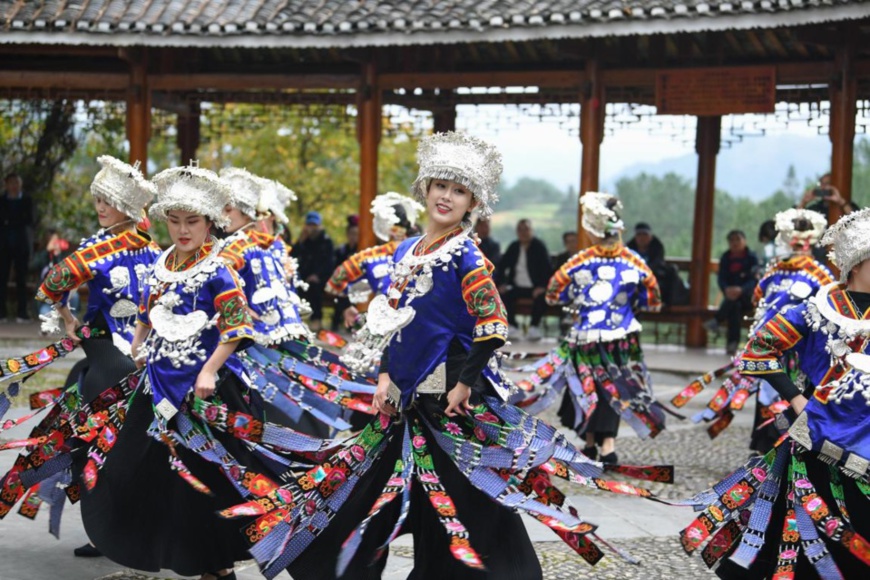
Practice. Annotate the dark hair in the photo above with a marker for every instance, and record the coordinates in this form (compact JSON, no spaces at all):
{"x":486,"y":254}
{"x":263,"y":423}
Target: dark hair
{"x":733,"y":233}
{"x":766,"y":231}
{"x":402,"y":214}
{"x":13,"y":175}
{"x":566,"y":234}
{"x":526,"y":221}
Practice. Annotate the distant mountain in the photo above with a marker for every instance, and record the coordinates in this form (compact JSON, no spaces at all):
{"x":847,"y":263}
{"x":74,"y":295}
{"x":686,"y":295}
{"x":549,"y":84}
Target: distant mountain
{"x":755,"y":167}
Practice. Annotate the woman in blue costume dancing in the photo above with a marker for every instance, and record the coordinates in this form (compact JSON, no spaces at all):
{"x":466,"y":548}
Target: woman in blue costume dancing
{"x":305,"y":400}
{"x":111,"y":263}
{"x":368,"y":272}
{"x":447,"y":460}
{"x":790,"y":280}
{"x":801,"y":511}
{"x":598,"y":369}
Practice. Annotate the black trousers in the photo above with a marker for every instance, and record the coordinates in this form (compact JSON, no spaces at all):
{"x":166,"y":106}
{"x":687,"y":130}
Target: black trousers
{"x":731,"y":311}
{"x":539,"y":305}
{"x":19,"y":257}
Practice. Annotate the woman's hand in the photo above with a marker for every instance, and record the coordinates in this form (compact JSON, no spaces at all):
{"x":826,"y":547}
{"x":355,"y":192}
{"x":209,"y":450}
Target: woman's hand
{"x":205,"y":384}
{"x":457,"y":400}
{"x":798,"y":404}
{"x":379,"y":400}
{"x":350,"y":315}
{"x":71,"y":324}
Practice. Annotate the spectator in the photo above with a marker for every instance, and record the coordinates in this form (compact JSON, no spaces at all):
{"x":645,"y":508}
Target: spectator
{"x":648,"y":246}
{"x":769,"y":250}
{"x":820,"y":198}
{"x":569,"y":241}
{"x":823,"y":195}
{"x":17,"y":220}
{"x":523,"y":272}
{"x":342,"y":253}
{"x":314,"y":251}
{"x":737,"y":278}
{"x":490,"y":248}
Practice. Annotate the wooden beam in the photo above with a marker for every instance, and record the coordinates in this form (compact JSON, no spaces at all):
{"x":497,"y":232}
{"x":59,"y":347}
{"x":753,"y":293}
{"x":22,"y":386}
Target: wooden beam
{"x":773,"y":41}
{"x":707,"y":142}
{"x":756,"y":43}
{"x":369,"y":135}
{"x":455,"y":80}
{"x":63,"y":80}
{"x":233,"y":81}
{"x":591,"y":135}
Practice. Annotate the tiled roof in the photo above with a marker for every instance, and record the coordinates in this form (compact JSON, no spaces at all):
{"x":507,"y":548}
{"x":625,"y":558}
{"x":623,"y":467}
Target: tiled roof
{"x":369,"y":23}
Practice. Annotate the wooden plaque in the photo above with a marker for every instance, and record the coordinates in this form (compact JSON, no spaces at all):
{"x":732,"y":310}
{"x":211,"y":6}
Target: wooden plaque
{"x":716,"y":91}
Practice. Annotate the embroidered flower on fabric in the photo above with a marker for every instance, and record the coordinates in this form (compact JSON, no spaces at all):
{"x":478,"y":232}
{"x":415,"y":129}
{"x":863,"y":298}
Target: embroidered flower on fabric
{"x":452,"y":428}
{"x":418,"y":441}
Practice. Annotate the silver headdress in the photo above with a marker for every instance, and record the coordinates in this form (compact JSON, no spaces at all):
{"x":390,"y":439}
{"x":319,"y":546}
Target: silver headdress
{"x":274,"y":199}
{"x":384,"y":212}
{"x":122,"y":186}
{"x":601,"y":213}
{"x":849,"y":239}
{"x":192,"y":189}
{"x":245,"y":189}
{"x":790,"y":231}
{"x":463,"y":159}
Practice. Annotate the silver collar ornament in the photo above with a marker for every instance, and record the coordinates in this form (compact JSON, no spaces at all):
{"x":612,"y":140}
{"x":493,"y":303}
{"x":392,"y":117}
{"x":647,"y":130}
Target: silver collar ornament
{"x":849,"y":239}
{"x":383,"y":322}
{"x":601,"y":213}
{"x":122,"y":186}
{"x":463,"y":159}
{"x":192,"y":189}
{"x":384,"y":212}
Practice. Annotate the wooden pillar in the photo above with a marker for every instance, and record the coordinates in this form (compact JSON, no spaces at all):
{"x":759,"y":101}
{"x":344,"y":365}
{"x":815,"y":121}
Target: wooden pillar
{"x":369,"y":135}
{"x":707,"y":142}
{"x":844,"y":95}
{"x":188,"y":137}
{"x":444,"y":116}
{"x":591,"y":136}
{"x":138,"y":109}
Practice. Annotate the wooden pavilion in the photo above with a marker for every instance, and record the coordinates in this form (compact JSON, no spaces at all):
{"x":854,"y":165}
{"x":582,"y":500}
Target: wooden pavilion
{"x":706,"y":58}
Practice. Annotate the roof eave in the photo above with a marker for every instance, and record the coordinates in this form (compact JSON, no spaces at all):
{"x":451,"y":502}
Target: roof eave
{"x":583,"y":29}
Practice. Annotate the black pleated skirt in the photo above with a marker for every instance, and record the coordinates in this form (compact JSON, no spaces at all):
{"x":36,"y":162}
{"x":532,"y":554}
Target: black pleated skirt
{"x":143,"y":515}
{"x":496,"y":532}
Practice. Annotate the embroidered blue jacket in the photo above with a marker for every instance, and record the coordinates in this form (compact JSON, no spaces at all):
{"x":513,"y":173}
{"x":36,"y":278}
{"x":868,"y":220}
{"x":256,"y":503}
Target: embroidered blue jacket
{"x":113,"y":267}
{"x":604,"y":285}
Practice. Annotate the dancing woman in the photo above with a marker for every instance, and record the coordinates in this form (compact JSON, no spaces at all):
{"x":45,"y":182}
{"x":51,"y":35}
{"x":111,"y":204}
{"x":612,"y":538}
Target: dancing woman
{"x":459,"y":460}
{"x":148,"y":478}
{"x":297,"y":392}
{"x":600,"y":360}
{"x":367,"y":272}
{"x":801,"y":511}
{"x":791,"y":280}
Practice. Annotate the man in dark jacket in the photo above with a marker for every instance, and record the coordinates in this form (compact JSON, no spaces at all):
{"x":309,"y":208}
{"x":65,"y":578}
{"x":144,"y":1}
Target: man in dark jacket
{"x":17,"y":220}
{"x":316,"y":257}
{"x":523,"y":272}
{"x":737,"y":270}
{"x":487,"y":245}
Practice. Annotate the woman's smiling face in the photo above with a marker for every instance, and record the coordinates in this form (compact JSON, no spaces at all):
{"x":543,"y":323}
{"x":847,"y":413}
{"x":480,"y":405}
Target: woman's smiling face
{"x":447,"y":202}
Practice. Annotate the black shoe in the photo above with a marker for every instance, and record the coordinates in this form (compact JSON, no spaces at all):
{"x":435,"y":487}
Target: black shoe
{"x":591,"y":452}
{"x":87,"y":551}
{"x":610,"y":458}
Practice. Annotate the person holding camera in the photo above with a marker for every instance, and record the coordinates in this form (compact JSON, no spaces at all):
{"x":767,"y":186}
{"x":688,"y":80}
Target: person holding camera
{"x":823,"y":195}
